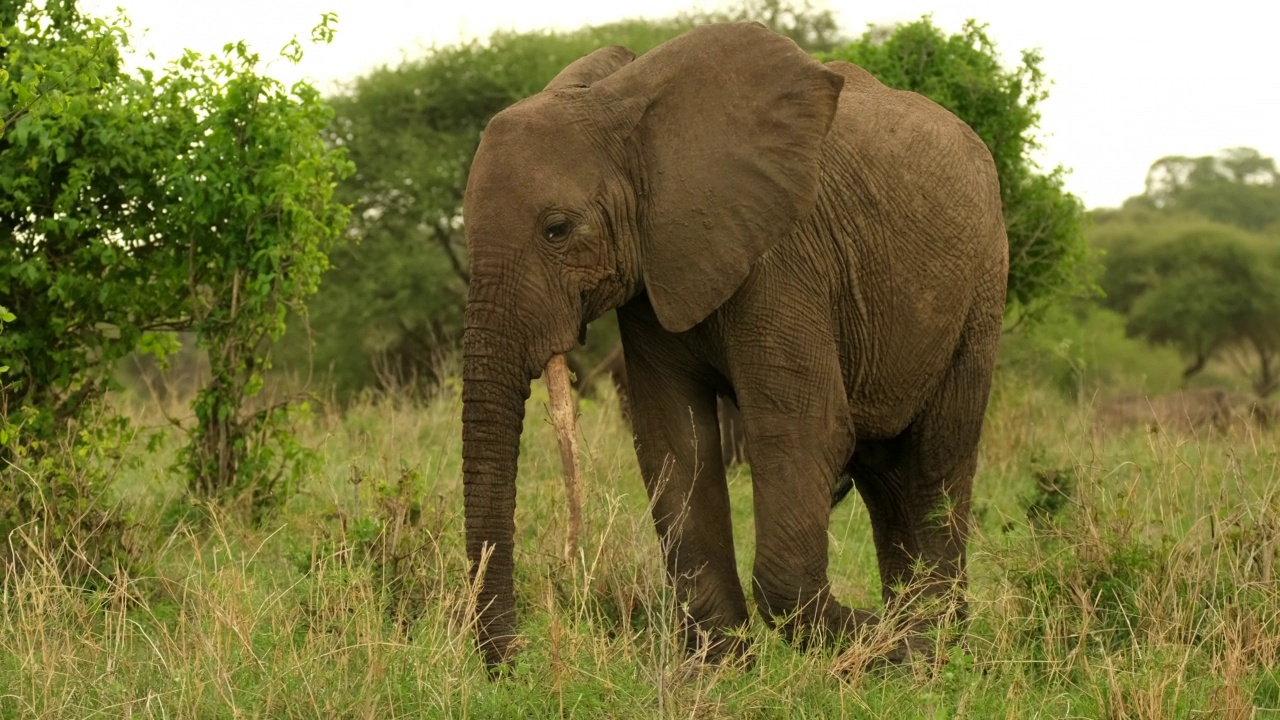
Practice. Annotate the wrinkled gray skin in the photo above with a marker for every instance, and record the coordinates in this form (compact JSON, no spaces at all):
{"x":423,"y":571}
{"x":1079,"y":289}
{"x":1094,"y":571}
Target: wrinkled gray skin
{"x":733,"y":436}
{"x":828,"y":251}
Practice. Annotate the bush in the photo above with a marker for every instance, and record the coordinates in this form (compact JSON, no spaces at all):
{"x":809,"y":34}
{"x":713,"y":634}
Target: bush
{"x":135,"y":206}
{"x":57,"y":514}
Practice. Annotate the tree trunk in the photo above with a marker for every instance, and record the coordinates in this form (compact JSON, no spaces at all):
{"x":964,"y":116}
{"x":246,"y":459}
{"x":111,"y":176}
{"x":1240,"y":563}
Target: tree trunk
{"x":1193,"y":368}
{"x":1267,"y":381}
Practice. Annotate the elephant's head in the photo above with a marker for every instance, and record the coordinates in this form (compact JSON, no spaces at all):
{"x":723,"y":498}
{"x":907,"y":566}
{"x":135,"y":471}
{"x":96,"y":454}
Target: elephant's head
{"x":669,"y":175}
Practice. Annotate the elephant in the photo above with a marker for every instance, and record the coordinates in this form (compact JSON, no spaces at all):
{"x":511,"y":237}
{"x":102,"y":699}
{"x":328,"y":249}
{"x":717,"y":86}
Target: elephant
{"x":826,"y":250}
{"x":733,"y":439}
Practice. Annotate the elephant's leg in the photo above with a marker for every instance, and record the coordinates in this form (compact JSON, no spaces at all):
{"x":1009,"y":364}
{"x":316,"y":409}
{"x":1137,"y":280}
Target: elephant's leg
{"x":917,"y":487}
{"x":678,"y":446}
{"x":919,"y":519}
{"x":798,"y":439}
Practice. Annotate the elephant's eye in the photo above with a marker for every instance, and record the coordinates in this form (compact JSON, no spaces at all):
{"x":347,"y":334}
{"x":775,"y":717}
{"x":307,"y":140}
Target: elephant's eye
{"x":558,"y":230}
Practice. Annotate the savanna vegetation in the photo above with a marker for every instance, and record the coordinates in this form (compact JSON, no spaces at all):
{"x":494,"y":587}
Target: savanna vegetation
{"x":229,"y":413}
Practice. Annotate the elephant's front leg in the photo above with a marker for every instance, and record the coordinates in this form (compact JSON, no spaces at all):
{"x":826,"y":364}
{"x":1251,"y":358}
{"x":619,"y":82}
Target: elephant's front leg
{"x":678,"y":445}
{"x":794,"y":466}
{"x":799,"y":436}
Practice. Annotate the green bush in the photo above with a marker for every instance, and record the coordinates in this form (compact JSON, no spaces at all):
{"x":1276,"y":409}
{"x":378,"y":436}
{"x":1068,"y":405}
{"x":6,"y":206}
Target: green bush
{"x":57,"y":513}
{"x":133,"y":206}
{"x":258,"y":240}
{"x":54,"y":514}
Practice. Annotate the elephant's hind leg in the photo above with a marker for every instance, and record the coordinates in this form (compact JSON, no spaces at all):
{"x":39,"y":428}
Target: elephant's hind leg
{"x":917,"y":487}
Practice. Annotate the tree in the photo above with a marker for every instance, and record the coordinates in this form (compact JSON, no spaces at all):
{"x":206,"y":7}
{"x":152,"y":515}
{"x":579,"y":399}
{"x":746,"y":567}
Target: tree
{"x":962,"y":72}
{"x":1205,"y":288}
{"x":1193,"y":260}
{"x":1238,"y":186}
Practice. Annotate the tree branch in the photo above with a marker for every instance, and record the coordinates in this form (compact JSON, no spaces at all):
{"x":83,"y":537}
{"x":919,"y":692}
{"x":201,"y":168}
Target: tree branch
{"x":444,"y":238}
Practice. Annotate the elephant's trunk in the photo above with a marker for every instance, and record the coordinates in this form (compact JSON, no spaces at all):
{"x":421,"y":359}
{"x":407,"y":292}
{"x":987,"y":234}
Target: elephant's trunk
{"x":495,"y":386}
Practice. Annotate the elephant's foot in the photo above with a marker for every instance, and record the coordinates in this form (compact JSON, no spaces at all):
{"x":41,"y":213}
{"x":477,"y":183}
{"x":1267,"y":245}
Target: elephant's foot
{"x":906,"y":634}
{"x":820,"y":621}
{"x":911,"y":648}
{"x":903,"y":639}
{"x":499,"y":653}
{"x":865,"y":638}
{"x":726,"y":653}
{"x":718,"y":646}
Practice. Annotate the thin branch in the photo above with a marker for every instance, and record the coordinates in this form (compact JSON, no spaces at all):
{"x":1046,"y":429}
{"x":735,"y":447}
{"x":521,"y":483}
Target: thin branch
{"x":444,"y":238}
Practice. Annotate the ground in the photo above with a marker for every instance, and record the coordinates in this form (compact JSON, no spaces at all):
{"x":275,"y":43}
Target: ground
{"x":1126,"y":576}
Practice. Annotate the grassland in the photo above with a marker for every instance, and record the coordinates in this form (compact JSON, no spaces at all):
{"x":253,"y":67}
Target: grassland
{"x":1124,"y":577}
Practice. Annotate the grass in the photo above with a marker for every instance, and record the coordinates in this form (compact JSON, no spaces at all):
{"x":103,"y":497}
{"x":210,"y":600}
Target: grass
{"x":1128,"y":577}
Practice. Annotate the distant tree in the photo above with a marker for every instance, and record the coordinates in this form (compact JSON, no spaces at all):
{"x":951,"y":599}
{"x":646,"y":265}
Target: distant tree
{"x":963,"y":73}
{"x":1205,"y":288}
{"x":1238,"y":186}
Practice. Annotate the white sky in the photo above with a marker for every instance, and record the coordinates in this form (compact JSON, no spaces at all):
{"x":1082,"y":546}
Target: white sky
{"x":1133,"y":81}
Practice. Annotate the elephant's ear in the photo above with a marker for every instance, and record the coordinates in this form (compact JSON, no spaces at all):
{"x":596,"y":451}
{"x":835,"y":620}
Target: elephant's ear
{"x":734,"y":117}
{"x":586,"y":70}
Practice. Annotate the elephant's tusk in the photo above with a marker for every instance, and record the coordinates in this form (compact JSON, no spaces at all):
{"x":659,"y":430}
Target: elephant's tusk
{"x":562,"y":416}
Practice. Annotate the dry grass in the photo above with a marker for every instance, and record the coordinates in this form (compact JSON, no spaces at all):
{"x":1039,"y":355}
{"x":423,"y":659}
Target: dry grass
{"x":1131,"y":576}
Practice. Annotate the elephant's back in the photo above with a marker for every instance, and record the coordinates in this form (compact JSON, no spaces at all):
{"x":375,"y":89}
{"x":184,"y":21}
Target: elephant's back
{"x":883,"y":119}
{"x":907,"y":137}
{"x":916,"y":191}
{"x":912,"y":180}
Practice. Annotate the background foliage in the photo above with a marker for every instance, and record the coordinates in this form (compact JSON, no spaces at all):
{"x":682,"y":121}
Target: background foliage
{"x":1194,"y":263}
{"x":1238,"y":186}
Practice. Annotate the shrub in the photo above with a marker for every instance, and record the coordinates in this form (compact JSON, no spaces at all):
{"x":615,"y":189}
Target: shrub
{"x":135,"y":206}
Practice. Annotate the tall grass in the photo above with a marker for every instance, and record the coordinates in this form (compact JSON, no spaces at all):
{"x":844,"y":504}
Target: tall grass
{"x":1132,"y":576}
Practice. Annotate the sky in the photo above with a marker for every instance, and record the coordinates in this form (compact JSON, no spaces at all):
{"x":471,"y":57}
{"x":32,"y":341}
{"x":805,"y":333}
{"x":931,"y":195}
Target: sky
{"x":1132,"y":81}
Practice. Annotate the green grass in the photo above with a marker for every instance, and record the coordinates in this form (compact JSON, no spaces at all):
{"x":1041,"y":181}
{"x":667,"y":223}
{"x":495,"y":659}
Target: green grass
{"x":1145,"y":587}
